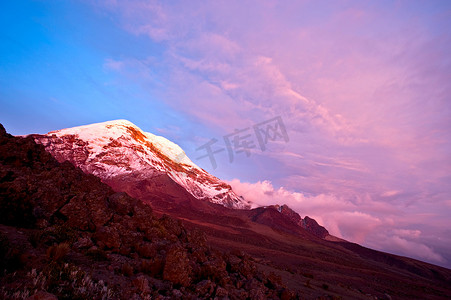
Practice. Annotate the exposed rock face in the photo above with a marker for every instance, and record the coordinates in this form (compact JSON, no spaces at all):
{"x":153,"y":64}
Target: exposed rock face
{"x":72,"y":225}
{"x":285,"y":219}
{"x":313,"y":226}
{"x":272,"y":217}
{"x":2,"y":130}
{"x":176,"y":267}
{"x":41,"y":295}
{"x":119,"y":151}
{"x":307,"y":223}
{"x":290,"y":214}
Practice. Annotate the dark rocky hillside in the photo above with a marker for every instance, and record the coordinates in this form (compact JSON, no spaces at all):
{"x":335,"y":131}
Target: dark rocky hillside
{"x":65,"y":234}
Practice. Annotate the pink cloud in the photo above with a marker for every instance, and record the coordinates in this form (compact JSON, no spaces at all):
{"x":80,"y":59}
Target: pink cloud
{"x":401,"y":244}
{"x":390,"y":193}
{"x":345,"y":219}
{"x":407,"y":233}
{"x":340,"y":216}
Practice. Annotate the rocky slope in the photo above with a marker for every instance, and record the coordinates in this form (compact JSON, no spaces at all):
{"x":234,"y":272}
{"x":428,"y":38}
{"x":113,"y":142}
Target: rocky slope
{"x":65,"y":234}
{"x":118,"y":151}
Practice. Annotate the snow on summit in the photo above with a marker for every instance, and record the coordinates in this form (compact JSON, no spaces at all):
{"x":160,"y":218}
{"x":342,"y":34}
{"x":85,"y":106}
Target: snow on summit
{"x":101,"y":133}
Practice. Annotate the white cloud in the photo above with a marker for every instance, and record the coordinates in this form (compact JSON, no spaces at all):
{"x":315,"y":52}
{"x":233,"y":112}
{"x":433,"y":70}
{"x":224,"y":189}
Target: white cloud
{"x":407,"y":233}
{"x":403,"y":246}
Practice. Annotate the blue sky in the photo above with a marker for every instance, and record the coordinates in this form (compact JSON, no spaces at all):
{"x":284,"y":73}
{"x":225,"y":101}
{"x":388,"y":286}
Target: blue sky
{"x":362,"y":88}
{"x":53,"y":73}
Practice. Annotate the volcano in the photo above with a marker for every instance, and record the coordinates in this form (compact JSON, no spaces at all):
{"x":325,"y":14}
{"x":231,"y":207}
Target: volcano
{"x":157,"y":171}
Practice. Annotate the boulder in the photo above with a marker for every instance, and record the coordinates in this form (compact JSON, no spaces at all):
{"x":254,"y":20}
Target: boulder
{"x":176,"y":267}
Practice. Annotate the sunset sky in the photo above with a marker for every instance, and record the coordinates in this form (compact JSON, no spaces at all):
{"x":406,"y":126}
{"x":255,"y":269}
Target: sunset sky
{"x":361,"y":87}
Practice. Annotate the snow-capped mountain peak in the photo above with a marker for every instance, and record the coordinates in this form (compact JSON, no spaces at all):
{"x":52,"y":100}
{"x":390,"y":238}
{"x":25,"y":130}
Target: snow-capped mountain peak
{"x":101,"y":133}
{"x":118,"y":149}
